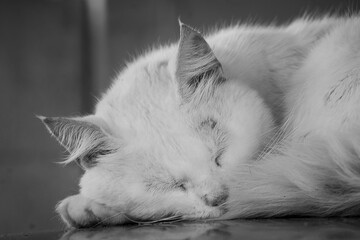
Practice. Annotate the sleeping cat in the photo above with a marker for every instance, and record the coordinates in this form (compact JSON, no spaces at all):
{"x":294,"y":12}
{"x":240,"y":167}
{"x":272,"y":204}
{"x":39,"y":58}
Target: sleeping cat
{"x":249,"y":121}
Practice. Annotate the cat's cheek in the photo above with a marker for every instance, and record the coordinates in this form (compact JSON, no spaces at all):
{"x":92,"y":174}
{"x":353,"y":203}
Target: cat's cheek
{"x":78,"y":211}
{"x":102,"y":186}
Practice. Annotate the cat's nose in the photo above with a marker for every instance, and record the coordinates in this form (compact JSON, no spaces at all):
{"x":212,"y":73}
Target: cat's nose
{"x":215,"y":200}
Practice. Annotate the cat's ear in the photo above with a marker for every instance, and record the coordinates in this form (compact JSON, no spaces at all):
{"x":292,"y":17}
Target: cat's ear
{"x":84,"y":140}
{"x":196,"y":62}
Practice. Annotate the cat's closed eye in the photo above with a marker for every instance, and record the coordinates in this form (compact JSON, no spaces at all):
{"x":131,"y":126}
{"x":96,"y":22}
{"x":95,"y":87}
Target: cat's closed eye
{"x":211,"y":123}
{"x":218,"y":157}
{"x":181,"y":185}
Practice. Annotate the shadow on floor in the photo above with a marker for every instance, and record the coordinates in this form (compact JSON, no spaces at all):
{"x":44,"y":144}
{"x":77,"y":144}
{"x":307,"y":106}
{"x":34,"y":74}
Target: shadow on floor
{"x":296,"y":228}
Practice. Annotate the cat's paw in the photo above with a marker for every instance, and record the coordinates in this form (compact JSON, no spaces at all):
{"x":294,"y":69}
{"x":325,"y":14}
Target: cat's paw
{"x":79,"y":212}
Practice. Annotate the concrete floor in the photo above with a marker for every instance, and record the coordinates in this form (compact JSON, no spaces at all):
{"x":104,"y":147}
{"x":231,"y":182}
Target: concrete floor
{"x":296,"y":228}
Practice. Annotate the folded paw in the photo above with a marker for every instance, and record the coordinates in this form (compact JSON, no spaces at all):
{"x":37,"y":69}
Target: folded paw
{"x":79,"y":212}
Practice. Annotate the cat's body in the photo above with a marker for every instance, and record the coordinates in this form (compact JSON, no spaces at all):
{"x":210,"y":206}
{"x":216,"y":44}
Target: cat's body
{"x":259,"y":122}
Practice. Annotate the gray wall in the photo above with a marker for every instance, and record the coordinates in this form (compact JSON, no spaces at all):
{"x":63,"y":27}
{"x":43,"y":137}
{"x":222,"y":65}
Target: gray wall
{"x":42,"y":54}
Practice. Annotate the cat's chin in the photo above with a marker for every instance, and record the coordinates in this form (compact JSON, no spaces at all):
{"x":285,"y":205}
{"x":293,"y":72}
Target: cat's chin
{"x":211,"y":213}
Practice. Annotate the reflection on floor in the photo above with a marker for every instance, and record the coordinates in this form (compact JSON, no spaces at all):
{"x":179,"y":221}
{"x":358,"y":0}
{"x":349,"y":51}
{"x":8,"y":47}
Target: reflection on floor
{"x":295,"y":228}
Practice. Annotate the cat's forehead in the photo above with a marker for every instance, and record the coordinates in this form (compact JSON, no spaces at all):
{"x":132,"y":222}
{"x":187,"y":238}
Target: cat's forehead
{"x":147,"y":84}
{"x":147,"y":99}
{"x":152,"y":72}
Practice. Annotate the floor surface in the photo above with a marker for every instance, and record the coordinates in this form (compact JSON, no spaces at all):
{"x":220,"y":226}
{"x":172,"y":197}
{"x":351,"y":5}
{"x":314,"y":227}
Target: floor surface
{"x":296,"y":228}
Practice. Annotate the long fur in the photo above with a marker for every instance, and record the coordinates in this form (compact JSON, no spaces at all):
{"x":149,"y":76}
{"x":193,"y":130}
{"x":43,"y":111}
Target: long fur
{"x":249,"y":121}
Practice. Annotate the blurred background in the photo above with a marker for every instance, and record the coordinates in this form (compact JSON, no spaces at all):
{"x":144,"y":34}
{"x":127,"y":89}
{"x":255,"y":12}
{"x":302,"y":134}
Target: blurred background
{"x":57,"y":56}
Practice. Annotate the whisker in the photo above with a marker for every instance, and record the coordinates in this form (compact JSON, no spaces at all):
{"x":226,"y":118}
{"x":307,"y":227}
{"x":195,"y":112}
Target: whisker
{"x":227,"y":203}
{"x":165,"y":219}
{"x":169,"y":219}
{"x":108,"y":218}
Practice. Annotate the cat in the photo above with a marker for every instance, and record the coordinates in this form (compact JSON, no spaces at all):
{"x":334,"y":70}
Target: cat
{"x":248,"y":121}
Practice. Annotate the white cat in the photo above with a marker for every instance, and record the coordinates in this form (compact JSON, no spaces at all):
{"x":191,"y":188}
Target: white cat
{"x":253,"y":122}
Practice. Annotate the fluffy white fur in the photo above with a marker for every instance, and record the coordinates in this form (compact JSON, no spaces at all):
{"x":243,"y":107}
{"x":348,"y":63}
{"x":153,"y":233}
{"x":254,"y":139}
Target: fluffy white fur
{"x":253,"y":122}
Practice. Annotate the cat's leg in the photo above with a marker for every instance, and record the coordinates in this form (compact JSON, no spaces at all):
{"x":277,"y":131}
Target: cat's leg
{"x":78,"y":211}
{"x":324,"y":97}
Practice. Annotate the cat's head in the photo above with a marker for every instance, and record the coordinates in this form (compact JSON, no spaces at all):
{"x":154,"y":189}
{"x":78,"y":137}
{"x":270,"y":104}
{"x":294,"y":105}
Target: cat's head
{"x":165,"y":141}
